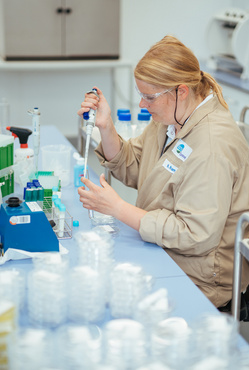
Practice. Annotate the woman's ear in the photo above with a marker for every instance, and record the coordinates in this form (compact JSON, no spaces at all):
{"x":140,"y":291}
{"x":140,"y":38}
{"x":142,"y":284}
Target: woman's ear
{"x":183,"y":92}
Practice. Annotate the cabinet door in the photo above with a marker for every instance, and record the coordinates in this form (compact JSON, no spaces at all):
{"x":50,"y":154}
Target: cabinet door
{"x":92,"y":28}
{"x":32,"y":28}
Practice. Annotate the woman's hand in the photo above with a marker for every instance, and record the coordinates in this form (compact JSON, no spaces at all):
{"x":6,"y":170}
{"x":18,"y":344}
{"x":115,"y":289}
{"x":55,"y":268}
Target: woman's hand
{"x":105,"y":200}
{"x":101,"y":199}
{"x":103,"y":117}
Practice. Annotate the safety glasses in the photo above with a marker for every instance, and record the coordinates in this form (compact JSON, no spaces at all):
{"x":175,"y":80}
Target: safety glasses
{"x":150,"y":98}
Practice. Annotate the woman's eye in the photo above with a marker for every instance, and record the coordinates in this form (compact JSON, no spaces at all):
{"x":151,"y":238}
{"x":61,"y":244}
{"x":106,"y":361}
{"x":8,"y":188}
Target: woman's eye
{"x":150,"y":98}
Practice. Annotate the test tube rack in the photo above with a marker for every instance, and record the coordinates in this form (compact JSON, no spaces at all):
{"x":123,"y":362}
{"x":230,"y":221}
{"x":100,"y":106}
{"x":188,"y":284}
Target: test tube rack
{"x":68,"y":223}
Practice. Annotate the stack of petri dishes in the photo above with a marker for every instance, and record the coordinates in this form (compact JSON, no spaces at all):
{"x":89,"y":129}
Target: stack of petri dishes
{"x":154,"y":308}
{"x":32,"y":349}
{"x":77,"y":347}
{"x":125,"y":344}
{"x":86,"y":302}
{"x":96,"y":250}
{"x":128,"y":286}
{"x":170,"y":342}
{"x":106,"y":223}
{"x":13,"y":287}
{"x":47,"y":298}
{"x":216,"y":337}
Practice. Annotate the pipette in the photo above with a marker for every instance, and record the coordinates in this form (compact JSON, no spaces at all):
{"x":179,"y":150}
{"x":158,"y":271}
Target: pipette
{"x":89,"y":117}
{"x":36,"y":133}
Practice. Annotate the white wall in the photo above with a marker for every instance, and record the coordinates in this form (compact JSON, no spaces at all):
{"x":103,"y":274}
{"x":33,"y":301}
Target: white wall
{"x":58,"y":94}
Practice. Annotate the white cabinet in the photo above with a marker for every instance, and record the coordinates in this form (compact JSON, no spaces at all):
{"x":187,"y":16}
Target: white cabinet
{"x":59,"y":29}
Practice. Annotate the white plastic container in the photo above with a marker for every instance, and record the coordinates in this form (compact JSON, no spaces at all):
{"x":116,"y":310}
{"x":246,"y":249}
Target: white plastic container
{"x":125,"y":128}
{"x":117,"y":123}
{"x":143,"y":120}
{"x":57,"y":158}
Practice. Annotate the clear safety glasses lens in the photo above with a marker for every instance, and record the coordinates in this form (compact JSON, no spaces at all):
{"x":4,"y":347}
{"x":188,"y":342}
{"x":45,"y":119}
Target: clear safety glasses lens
{"x":151,"y":97}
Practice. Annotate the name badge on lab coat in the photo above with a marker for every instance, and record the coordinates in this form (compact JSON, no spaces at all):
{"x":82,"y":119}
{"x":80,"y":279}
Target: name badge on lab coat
{"x":182,"y":150}
{"x":169,"y":166}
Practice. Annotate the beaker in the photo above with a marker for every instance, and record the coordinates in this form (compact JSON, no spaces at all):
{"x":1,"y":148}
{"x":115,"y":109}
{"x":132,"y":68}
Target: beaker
{"x":57,"y":158}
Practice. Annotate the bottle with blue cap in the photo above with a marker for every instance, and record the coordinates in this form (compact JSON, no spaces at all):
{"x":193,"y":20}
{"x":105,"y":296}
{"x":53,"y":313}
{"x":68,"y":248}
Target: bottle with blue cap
{"x":125,"y":125}
{"x":118,"y":123}
{"x":143,"y":118}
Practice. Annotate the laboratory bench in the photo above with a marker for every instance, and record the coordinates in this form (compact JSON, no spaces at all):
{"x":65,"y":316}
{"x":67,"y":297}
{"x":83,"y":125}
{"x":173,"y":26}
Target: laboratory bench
{"x":188,"y":302}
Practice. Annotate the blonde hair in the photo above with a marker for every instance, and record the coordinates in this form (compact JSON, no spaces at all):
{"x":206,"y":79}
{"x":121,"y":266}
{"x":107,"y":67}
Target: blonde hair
{"x":170,"y":63}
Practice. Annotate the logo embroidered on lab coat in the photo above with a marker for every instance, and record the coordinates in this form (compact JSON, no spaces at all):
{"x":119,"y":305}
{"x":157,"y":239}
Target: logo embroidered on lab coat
{"x":182,"y":150}
{"x":169,"y":166}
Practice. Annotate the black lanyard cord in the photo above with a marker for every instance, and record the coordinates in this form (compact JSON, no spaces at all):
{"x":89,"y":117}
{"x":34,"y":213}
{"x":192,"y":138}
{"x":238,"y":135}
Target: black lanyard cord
{"x":180,"y":124}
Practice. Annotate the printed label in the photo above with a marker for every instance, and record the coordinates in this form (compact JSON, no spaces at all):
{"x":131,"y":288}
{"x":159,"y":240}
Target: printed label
{"x":34,"y":207}
{"x":17,"y":220}
{"x":169,"y":166}
{"x":182,"y":150}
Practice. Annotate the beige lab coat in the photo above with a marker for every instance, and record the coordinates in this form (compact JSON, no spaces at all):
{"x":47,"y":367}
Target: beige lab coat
{"x":194,"y":193}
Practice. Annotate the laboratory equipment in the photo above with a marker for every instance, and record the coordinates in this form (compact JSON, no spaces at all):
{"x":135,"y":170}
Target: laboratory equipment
{"x":24,"y":151}
{"x":125,"y":297}
{"x":124,"y":126}
{"x":61,"y":214}
{"x":153,"y":308}
{"x":79,"y":347}
{"x":79,"y":169}
{"x":57,"y":158}
{"x":25,"y":226}
{"x":143,"y":120}
{"x":106,"y":223}
{"x":47,"y":298}
{"x":34,"y":192}
{"x":125,"y":344}
{"x":32,"y":347}
{"x":86,"y":295}
{"x":96,"y":250}
{"x":171,"y":344}
{"x":215,"y":335}
{"x":89,"y":118}
{"x":117,"y":122}
{"x":24,"y":156}
{"x":7,"y":329}
{"x":6,"y":163}
{"x":227,"y":39}
{"x":241,"y":249}
{"x":36,"y":133}
{"x":13,"y":287}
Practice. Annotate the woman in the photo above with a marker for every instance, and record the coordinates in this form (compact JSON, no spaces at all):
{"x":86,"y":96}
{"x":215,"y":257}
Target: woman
{"x":190,"y":166}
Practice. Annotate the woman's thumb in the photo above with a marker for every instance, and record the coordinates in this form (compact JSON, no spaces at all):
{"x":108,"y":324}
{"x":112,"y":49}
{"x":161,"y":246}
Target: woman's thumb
{"x":102,"y":181}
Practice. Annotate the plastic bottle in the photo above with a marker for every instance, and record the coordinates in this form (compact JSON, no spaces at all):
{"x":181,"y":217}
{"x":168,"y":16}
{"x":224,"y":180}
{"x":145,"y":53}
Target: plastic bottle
{"x":144,"y":110}
{"x":125,"y":126}
{"x":117,"y":123}
{"x":143,"y":119}
{"x":24,"y":152}
{"x":79,"y":171}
